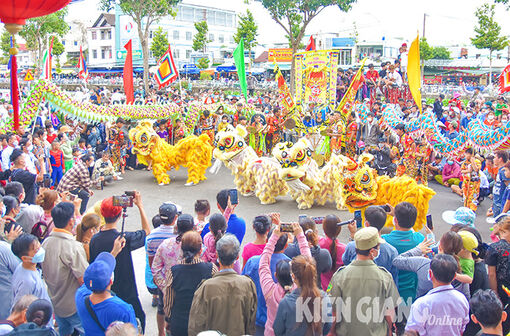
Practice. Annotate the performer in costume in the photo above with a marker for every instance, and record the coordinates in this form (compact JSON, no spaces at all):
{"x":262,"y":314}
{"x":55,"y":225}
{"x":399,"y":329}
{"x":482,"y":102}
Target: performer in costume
{"x":335,"y":133}
{"x":271,"y":127}
{"x":207,"y":124}
{"x":350,"y":136}
{"x":117,"y":141}
{"x":407,"y":163}
{"x":257,"y":134}
{"x":470,"y":170}
{"x":423,"y":152}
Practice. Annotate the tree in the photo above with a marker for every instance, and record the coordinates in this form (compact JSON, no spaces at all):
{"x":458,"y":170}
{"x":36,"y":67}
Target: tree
{"x":441,"y":53}
{"x":295,"y":15}
{"x":203,"y":63}
{"x":200,"y":39}
{"x":57,"y":50}
{"x":247,"y":30}
{"x":159,"y":44}
{"x":5,"y":46}
{"x":488,"y":33}
{"x":426,"y":51}
{"x":144,"y":14}
{"x":37,"y":30}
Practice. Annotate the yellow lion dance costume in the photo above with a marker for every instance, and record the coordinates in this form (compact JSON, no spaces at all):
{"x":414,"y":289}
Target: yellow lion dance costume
{"x":362,"y":188}
{"x":307,"y":183}
{"x":192,"y":152}
{"x":252,"y":175}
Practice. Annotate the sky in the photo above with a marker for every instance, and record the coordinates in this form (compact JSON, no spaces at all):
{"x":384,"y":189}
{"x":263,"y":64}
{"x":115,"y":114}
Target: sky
{"x":448,"y":22}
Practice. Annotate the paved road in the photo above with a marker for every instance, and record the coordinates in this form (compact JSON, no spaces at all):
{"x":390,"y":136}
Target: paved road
{"x":154,"y":195}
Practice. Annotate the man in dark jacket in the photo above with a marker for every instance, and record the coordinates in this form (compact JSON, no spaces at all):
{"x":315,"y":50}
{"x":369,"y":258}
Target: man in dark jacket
{"x":438,"y":106}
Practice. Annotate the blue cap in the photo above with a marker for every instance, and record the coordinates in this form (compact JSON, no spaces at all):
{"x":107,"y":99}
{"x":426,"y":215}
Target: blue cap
{"x":462,"y":215}
{"x":97,"y":276}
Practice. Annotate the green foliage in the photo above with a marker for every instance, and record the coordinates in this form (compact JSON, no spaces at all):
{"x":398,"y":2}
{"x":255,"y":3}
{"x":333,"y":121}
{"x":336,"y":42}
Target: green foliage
{"x":205,"y":76}
{"x":58,"y":47}
{"x":159,"y":43}
{"x":203,"y":63}
{"x":488,"y":31}
{"x":441,"y":53}
{"x":247,"y":30}
{"x":37,"y":30}
{"x":200,"y":39}
{"x":5,"y":45}
{"x":295,"y":15}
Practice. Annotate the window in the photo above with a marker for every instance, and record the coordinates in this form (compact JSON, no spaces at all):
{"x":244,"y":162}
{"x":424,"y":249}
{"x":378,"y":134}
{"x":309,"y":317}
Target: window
{"x":102,"y":34}
{"x":109,"y":53}
{"x":211,"y":15}
{"x":188,"y":54}
{"x":176,"y":34}
{"x":230,"y":20}
{"x":94,"y":53}
{"x":63,"y":42}
{"x":177,"y":53}
{"x":150,"y":34}
{"x":231,"y":39}
{"x":151,"y":55}
{"x":94,"y":35}
{"x":221,"y":18}
{"x":75,"y":43}
{"x":211,"y":37}
{"x":188,"y":36}
{"x":187,"y":14}
{"x":109,"y":35}
{"x":221,"y":38}
{"x":103,"y":53}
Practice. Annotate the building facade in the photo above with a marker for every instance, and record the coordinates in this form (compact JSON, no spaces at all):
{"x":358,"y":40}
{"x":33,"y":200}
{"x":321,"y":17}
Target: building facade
{"x":101,"y":42}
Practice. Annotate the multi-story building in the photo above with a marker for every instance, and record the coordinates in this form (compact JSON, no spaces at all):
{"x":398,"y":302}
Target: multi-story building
{"x":75,"y":37}
{"x":101,"y":42}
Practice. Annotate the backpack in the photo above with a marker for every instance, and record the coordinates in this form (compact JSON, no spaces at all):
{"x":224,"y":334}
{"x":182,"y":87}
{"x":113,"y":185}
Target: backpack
{"x":41,"y":229}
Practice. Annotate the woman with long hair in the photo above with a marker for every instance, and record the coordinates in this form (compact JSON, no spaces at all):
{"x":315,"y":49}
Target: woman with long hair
{"x":47,"y":201}
{"x":287,"y":320}
{"x":321,"y":256}
{"x":218,"y":228}
{"x":261,"y":226}
{"x":274,"y":291}
{"x":89,"y":226}
{"x":169,"y":252}
{"x":183,"y":280}
{"x":334,"y":247}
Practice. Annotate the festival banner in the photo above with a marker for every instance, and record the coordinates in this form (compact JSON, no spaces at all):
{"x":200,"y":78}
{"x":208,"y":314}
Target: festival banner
{"x":284,"y":95}
{"x":414,"y":72}
{"x":346,"y":104}
{"x":83,"y":72}
{"x":127,"y":74}
{"x":504,"y":80}
{"x":167,"y":71}
{"x":241,"y":68}
{"x":280,"y":55}
{"x":315,"y":77}
{"x":46,"y":71}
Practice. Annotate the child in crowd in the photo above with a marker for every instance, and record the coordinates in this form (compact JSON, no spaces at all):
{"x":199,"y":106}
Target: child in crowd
{"x":202,"y":211}
{"x":261,"y":226}
{"x":466,"y":261}
{"x":57,"y":162}
{"x":178,"y":131}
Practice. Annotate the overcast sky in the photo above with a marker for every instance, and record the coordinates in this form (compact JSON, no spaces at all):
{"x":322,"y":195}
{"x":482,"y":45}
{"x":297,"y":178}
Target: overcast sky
{"x":449,"y":22}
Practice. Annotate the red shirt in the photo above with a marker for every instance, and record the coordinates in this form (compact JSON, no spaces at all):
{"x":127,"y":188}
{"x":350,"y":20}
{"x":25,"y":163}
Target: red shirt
{"x":372,"y":74}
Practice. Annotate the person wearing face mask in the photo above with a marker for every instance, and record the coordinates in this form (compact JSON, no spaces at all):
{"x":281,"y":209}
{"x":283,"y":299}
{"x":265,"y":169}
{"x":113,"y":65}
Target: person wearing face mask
{"x":96,"y":306}
{"x":377,"y":281}
{"x":466,"y":120}
{"x":27,"y":279}
{"x":66,"y":146}
{"x":25,"y":177}
{"x":370,"y":132}
{"x":490,"y":120}
{"x":450,"y":175}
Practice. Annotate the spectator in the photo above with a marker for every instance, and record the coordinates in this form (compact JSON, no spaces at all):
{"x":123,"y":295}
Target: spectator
{"x":168,"y":214}
{"x":63,"y":267}
{"x":252,"y":269}
{"x":287,"y":320}
{"x":104,"y":168}
{"x":436,"y":166}
{"x":261,"y":226}
{"x":442,"y":302}
{"x":124,"y":284}
{"x":26,"y":178}
{"x":29,"y":214}
{"x":118,"y":328}
{"x":469,"y":247}
{"x":334,"y":247}
{"x":202,"y":210}
{"x":46,"y":200}
{"x":8,"y":264}
{"x":7,"y":151}
{"x":27,"y":279}
{"x":236,"y":295}
{"x":498,"y":263}
{"x":56,"y":161}
{"x":487,"y":311}
{"x":77,"y":181}
{"x":88,"y":227}
{"x":38,"y":315}
{"x":67,"y":146}
{"x":17,"y":315}
{"x":375,"y":216}
{"x":500,"y":160}
{"x":235,"y":225}
{"x":462,"y":215}
{"x":451,"y":174}
{"x":370,"y":132}
{"x":183,"y":280}
{"x":321,"y":256}
{"x":480,"y":276}
{"x":96,"y":306}
{"x":149,"y":280}
{"x":360,"y":279}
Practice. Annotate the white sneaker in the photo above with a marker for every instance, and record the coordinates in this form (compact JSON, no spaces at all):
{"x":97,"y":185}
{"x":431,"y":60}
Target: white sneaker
{"x":119,"y":178}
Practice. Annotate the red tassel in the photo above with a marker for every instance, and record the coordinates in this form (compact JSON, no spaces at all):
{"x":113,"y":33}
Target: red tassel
{"x":15,"y":91}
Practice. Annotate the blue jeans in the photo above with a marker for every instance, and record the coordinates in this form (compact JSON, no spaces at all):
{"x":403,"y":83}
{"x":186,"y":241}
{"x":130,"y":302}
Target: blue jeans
{"x":66,"y":325}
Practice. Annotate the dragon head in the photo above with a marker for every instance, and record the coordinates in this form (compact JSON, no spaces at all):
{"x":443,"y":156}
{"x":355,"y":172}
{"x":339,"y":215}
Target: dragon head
{"x":229,"y":143}
{"x":359,"y":182}
{"x":144,"y":138}
{"x":294,"y":158}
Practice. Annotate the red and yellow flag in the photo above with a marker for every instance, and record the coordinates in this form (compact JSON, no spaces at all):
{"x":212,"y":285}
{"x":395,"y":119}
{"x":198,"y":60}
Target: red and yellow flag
{"x":283,"y":91}
{"x":346,"y":104}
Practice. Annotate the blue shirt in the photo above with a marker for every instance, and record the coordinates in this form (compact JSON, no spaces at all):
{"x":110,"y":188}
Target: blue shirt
{"x":25,"y":282}
{"x":235,"y":226}
{"x":251,"y":269}
{"x":498,"y":191}
{"x":385,"y":258}
{"x":108,"y":311}
{"x":403,"y":241}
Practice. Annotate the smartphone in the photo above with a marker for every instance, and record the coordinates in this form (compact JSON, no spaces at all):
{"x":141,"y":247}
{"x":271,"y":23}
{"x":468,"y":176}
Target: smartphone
{"x":233,"y":196}
{"x":429,"y":222}
{"x":302,"y":217}
{"x":358,"y":219}
{"x":47,"y":182}
{"x":347,"y":222}
{"x":386,"y":207}
{"x":286,"y":227}
{"x":318,"y":220}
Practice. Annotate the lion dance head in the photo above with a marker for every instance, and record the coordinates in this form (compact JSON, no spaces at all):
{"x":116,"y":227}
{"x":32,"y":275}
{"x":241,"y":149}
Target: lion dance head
{"x":144,"y":138}
{"x":230,"y":143}
{"x":359,"y":183}
{"x":293,"y":158}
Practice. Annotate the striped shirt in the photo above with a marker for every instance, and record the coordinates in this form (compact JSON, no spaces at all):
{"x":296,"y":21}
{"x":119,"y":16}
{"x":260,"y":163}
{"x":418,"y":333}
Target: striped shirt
{"x":156,"y":237}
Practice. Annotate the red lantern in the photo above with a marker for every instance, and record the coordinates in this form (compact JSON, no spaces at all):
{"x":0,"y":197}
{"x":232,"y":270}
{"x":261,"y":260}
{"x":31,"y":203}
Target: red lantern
{"x":13,"y":14}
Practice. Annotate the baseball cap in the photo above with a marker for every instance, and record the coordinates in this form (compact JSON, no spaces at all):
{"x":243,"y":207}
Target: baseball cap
{"x":64,"y":129}
{"x":97,"y":276}
{"x":168,"y":211}
{"x":469,"y":241}
{"x":108,"y":210}
{"x":498,"y":218}
{"x":462,"y":215}
{"x":367,"y":238}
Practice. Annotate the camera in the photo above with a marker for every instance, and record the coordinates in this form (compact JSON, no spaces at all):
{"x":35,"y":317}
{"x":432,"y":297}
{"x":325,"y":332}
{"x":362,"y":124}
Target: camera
{"x":125,"y":201}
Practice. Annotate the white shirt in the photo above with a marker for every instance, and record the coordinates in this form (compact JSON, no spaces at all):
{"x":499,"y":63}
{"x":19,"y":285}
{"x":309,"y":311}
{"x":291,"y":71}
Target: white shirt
{"x":6,"y":157}
{"x":396,"y":76}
